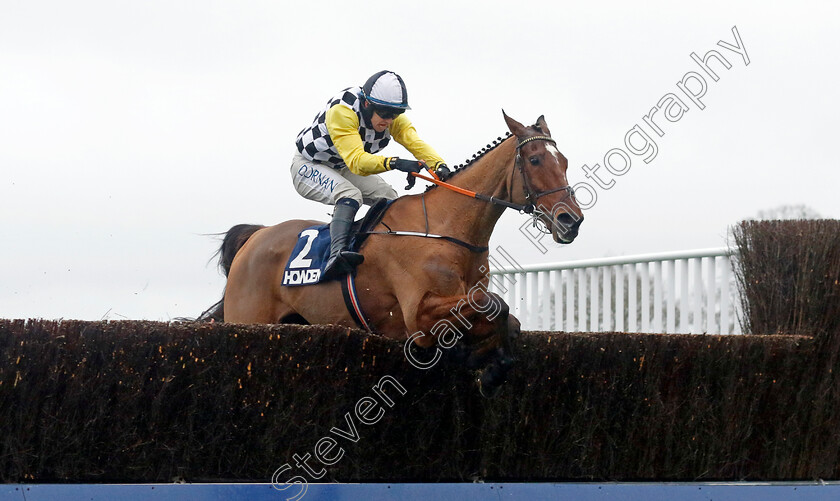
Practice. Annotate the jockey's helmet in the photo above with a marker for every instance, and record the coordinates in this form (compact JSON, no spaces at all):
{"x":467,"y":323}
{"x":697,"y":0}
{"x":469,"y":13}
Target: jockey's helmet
{"x":385,"y":90}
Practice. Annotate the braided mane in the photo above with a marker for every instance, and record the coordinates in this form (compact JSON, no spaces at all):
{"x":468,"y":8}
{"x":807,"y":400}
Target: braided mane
{"x":476,"y":156}
{"x":487,"y":149}
{"x":480,"y":153}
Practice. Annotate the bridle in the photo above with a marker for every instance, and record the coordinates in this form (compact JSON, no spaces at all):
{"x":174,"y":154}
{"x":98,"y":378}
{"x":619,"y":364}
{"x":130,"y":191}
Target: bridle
{"x":529,"y":208}
{"x":529,"y":190}
{"x":531,"y":195}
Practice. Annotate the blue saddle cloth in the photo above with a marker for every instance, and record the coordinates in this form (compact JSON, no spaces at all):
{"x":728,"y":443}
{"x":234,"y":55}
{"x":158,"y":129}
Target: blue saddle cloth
{"x":309,"y":257}
{"x":312,"y":250}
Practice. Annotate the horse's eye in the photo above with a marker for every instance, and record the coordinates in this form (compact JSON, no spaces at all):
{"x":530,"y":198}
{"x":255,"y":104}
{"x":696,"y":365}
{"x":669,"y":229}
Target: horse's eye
{"x":534,"y":160}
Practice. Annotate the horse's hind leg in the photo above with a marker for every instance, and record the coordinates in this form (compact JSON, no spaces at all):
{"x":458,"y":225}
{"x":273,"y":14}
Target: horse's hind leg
{"x":253,"y":302}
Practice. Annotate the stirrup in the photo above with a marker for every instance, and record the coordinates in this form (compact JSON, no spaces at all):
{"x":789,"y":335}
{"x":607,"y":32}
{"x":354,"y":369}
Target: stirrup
{"x":352,"y":258}
{"x":343,"y":263}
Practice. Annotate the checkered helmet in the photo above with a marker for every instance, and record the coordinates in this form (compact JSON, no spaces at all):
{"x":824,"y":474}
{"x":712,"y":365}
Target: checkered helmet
{"x":386,"y":89}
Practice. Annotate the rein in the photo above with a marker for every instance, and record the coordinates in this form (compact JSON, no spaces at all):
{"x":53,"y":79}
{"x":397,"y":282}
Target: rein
{"x":530,"y":195}
{"x":529,"y":208}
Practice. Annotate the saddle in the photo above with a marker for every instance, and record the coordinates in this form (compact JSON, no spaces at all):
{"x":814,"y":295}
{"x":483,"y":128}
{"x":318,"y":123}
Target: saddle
{"x":312,"y":250}
{"x":362,"y":228}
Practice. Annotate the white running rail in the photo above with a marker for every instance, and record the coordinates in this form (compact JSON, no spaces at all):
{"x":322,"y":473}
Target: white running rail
{"x":671,"y":292}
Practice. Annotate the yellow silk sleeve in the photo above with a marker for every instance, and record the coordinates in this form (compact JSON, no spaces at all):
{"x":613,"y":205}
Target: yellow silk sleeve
{"x":404,"y":133}
{"x":343,"y":126}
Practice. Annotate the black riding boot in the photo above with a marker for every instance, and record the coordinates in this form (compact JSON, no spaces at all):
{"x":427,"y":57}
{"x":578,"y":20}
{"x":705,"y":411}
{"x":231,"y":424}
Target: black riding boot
{"x":342,"y":260}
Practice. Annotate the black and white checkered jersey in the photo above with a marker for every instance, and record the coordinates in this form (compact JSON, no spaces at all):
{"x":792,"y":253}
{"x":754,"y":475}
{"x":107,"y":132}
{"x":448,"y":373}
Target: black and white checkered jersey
{"x":314,"y":142}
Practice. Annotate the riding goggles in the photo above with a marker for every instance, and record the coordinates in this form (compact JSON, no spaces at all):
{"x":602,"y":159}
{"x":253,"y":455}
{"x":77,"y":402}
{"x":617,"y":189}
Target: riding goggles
{"x":387,"y":113}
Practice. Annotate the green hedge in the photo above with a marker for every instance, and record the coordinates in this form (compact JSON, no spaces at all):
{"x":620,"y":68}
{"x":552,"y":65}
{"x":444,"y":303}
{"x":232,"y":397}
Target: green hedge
{"x":147,"y":401}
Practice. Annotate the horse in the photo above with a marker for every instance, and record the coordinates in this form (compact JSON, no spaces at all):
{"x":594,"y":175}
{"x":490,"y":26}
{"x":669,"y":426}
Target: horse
{"x":412,"y":287}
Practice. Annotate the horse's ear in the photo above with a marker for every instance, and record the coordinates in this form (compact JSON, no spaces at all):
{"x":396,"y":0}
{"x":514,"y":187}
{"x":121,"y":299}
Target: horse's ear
{"x":543,"y":126}
{"x":516,"y":128}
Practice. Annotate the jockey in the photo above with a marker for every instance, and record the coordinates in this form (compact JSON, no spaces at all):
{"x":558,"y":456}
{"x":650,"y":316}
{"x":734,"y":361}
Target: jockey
{"x":336,"y":161}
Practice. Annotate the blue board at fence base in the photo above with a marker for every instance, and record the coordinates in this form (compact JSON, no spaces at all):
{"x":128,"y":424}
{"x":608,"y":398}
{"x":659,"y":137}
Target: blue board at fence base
{"x":735,"y":491}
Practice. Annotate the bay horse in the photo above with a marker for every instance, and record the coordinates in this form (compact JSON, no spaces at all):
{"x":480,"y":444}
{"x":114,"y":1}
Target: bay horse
{"x":409,"y":284}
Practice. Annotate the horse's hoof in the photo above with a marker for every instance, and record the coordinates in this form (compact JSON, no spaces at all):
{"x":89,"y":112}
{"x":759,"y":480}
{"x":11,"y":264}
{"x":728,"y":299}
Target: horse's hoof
{"x":506,"y":363}
{"x":459,"y":354}
{"x":487,"y":390}
{"x":514,"y":327}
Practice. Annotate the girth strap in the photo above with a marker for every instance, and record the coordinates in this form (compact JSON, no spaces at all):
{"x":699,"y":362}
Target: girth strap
{"x":467,"y":245}
{"x":351,"y":301}
{"x":472,"y":248}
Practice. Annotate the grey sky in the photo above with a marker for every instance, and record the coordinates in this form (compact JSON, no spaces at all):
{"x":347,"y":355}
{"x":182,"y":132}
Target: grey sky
{"x":130,"y":129}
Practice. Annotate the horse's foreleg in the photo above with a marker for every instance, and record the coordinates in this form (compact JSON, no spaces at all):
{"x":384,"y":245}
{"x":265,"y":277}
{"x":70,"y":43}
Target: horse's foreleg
{"x":479,"y":319}
{"x":496,"y":372}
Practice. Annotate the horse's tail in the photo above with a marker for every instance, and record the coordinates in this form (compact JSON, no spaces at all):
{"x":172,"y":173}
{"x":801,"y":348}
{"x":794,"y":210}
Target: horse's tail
{"x":234,"y":239}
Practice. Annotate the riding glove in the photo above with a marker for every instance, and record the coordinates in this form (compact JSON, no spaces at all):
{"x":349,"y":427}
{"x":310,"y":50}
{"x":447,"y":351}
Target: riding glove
{"x":404,"y":165}
{"x":443,"y":172}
